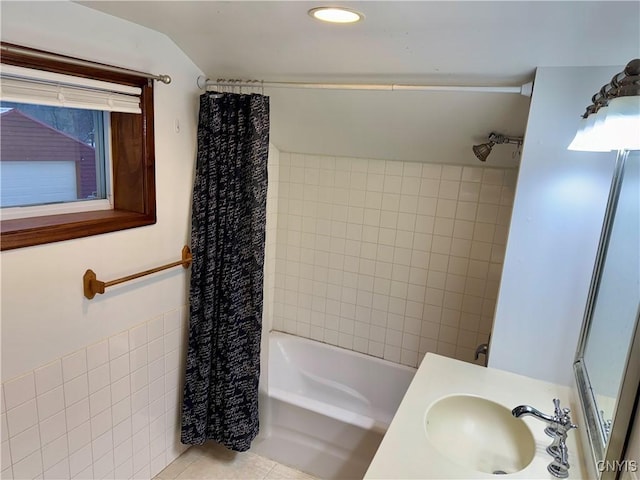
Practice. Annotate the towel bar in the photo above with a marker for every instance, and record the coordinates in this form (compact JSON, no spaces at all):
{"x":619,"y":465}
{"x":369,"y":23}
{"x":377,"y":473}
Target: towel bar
{"x":93,"y":286}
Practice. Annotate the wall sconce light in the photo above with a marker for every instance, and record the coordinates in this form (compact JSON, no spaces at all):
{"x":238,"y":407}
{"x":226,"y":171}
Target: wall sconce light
{"x":612,"y":121}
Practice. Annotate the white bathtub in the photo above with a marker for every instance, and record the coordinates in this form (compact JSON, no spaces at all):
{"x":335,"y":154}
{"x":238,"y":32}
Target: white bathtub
{"x":326,"y":409}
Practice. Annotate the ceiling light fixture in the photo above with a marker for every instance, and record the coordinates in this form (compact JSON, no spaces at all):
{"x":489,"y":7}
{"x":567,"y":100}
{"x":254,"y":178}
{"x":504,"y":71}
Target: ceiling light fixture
{"x":336,"y":14}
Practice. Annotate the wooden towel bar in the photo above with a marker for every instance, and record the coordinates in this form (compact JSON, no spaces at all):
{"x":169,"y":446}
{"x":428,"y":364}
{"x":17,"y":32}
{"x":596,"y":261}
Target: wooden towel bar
{"x":93,"y":286}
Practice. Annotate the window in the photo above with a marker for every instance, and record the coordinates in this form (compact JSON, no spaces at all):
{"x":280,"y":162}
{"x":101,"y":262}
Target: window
{"x":77,"y":150}
{"x":53,"y":157}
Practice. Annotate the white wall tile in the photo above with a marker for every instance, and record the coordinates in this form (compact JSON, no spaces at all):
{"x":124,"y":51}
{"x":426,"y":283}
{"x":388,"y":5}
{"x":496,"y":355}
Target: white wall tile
{"x":59,"y":471}
{"x":138,"y":357}
{"x":157,"y":389}
{"x":102,"y":445}
{"x":145,"y":471}
{"x":139,"y":379}
{"x":48,"y":377}
{"x":74,"y":365}
{"x":124,"y":470}
{"x":172,"y":320}
{"x":122,"y":431}
{"x":5,"y":454}
{"x":155,"y":349}
{"x":79,"y":436}
{"x":493,"y":176}
{"x":157,"y":445}
{"x":100,"y":400}
{"x":101,"y":423}
{"x":80,"y":461}
{"x":119,"y":344}
{"x":103,"y":465}
{"x":55,"y":452}
{"x":53,"y":428}
{"x":138,"y":336}
{"x":119,"y":368}
{"x":28,"y":467}
{"x":140,"y":419}
{"x":50,"y":403}
{"x":24,"y":443}
{"x":406,"y":244}
{"x":472,"y":174}
{"x":120,"y":389}
{"x":4,"y":427}
{"x":76,"y":390}
{"x":173,"y":340}
{"x":123,"y":451}
{"x":121,"y":410}
{"x":78,"y":441}
{"x":156,"y":369}
{"x":97,"y":354}
{"x":99,"y":378}
{"x":19,"y":390}
{"x":22,"y":417}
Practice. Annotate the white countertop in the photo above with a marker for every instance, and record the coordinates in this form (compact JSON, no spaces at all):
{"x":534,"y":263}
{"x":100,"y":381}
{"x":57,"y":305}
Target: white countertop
{"x":407,"y":453}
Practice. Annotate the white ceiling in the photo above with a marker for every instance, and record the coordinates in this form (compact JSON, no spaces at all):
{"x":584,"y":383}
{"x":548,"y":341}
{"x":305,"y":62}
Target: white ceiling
{"x":420,"y":42}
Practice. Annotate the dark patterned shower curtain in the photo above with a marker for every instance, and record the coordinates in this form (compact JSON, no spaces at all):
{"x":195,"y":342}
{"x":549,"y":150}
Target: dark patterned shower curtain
{"x":227,"y":241}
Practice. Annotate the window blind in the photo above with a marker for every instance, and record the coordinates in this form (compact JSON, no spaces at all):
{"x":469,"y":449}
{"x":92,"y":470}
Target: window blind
{"x":38,"y":87}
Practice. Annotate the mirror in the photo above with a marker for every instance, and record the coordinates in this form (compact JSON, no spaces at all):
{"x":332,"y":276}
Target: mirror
{"x":608,"y":359}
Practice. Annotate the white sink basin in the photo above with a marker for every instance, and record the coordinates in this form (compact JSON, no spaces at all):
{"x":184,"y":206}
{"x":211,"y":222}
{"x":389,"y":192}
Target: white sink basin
{"x":479,"y":434}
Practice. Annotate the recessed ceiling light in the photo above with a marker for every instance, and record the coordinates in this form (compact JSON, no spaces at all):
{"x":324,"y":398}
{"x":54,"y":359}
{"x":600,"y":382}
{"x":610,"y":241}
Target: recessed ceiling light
{"x":336,"y":14}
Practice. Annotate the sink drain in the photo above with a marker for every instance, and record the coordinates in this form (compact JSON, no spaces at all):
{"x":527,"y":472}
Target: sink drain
{"x":499,"y":472}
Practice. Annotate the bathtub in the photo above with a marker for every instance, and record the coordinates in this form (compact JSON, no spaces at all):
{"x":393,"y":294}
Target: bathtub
{"x":326,"y":408}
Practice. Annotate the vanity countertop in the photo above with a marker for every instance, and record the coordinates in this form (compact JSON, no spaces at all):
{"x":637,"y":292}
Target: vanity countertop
{"x":407,"y":453}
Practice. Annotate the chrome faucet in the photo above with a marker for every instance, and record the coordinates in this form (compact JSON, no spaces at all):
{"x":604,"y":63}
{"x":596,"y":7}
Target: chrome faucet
{"x":559,"y":425}
{"x":526,"y":410}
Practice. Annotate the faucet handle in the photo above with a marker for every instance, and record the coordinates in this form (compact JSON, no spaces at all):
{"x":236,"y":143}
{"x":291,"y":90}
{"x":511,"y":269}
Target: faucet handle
{"x":561,"y":421}
{"x":565,"y":420}
{"x":552,"y":429}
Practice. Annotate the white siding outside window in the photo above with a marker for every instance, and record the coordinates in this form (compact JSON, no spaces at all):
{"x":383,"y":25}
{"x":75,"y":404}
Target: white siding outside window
{"x":37,"y":182}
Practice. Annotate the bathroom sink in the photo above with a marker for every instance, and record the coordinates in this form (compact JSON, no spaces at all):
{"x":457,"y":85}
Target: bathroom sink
{"x":480,"y":434}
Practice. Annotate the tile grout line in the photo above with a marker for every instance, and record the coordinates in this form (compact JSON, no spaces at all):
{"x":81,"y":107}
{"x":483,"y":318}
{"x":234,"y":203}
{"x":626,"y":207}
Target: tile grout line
{"x":270,"y":470}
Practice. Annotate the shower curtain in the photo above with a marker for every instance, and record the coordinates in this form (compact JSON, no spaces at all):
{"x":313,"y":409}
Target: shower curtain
{"x":227,"y":241}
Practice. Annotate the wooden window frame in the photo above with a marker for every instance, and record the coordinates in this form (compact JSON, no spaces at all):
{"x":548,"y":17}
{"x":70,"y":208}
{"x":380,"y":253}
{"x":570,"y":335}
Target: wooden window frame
{"x":133,"y":167}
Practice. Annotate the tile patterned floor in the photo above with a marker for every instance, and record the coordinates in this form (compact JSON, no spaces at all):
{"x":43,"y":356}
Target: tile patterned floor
{"x":213,"y":461}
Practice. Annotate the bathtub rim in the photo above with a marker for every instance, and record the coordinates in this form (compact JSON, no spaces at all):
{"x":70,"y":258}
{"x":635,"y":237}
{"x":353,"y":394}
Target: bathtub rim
{"x":378,"y":360}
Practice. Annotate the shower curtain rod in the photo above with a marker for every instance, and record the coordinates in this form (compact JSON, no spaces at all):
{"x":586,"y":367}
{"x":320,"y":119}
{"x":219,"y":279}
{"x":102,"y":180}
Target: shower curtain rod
{"x":204,"y":82}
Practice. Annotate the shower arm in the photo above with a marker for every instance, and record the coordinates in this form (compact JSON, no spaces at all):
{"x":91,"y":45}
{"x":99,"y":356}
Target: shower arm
{"x":500,"y":139}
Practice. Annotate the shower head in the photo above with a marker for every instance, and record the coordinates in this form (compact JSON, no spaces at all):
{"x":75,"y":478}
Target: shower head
{"x":483,"y":150}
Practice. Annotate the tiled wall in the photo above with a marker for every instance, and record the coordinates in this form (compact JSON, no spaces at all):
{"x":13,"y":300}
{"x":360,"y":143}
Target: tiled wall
{"x":110,"y":410}
{"x":270,"y":237}
{"x":394,"y":259}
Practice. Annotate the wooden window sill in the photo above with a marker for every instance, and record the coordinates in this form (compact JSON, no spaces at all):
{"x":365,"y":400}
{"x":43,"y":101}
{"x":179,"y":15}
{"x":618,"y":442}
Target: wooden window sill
{"x":26,"y":232}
